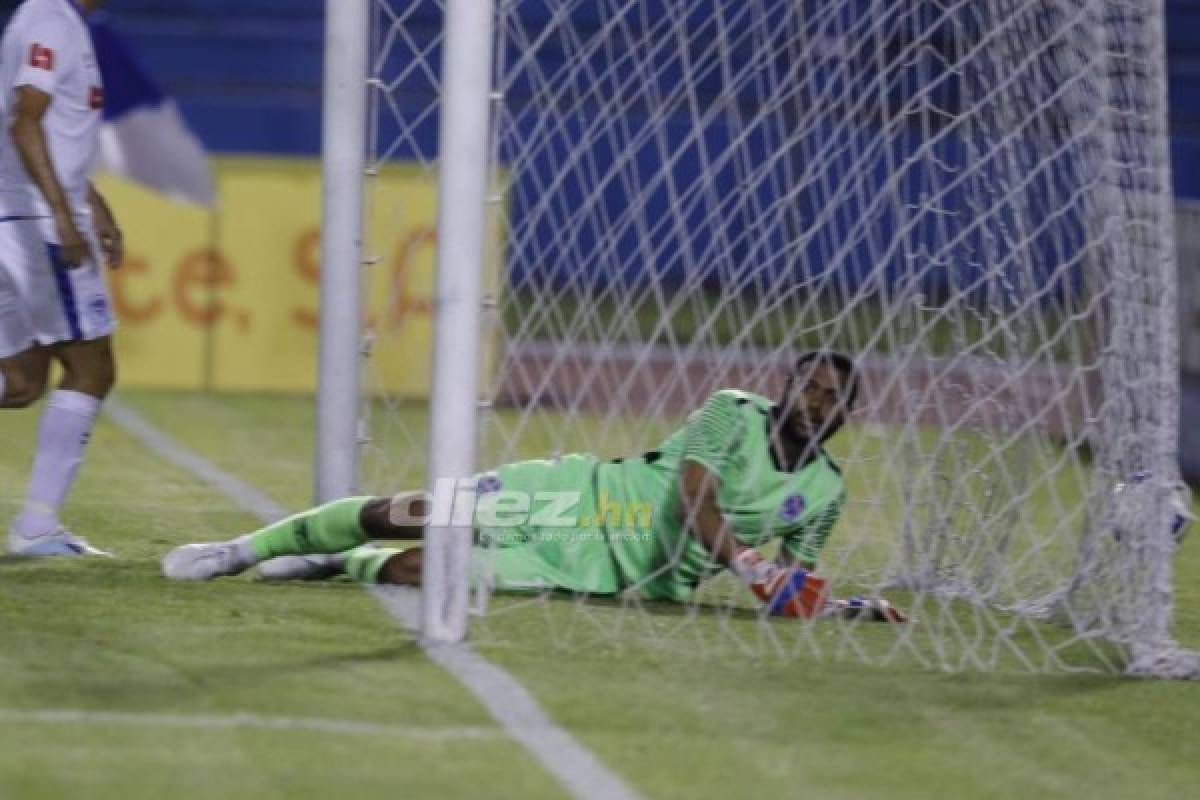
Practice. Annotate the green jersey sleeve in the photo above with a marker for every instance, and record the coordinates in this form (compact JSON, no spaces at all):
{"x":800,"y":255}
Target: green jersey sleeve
{"x":806,"y":543}
{"x":712,"y":432}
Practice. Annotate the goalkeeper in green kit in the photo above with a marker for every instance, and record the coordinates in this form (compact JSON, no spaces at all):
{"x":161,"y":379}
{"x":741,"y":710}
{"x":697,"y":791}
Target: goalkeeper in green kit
{"x":741,"y":472}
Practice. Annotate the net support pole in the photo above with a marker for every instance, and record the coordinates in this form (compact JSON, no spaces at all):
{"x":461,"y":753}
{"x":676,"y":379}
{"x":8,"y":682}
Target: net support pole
{"x":343,"y":154}
{"x":462,"y":187}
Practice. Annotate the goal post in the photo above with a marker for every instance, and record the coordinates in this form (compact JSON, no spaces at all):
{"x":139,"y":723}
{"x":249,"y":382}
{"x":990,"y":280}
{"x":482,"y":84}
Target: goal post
{"x":673,"y":197}
{"x":462,"y":187}
{"x":343,"y":158}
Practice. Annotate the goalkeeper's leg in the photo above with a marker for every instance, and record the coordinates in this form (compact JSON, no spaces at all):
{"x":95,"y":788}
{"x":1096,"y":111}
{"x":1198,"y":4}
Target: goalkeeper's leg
{"x":332,"y":528}
{"x":519,"y":568}
{"x":366,"y":564}
{"x":514,"y":568}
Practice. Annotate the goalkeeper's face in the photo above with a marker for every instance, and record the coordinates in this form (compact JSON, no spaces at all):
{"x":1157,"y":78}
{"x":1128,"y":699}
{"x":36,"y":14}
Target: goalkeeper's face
{"x":816,"y":402}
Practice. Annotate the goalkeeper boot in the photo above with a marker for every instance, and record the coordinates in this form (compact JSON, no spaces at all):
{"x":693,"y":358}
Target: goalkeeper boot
{"x":203,"y":562}
{"x":302,"y":568}
{"x":57,"y":542}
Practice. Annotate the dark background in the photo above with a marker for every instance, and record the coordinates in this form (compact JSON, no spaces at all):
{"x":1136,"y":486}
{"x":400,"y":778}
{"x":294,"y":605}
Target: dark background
{"x":247,"y":75}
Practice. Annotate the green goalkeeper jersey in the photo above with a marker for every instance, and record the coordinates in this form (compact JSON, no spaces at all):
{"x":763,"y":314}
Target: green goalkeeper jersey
{"x":637,"y":499}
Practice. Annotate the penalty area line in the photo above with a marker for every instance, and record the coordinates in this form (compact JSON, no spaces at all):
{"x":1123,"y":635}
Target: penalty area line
{"x":237,"y":719}
{"x":577,"y":769}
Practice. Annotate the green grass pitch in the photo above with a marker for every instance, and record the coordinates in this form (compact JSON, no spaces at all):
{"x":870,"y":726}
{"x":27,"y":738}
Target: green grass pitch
{"x":143,"y":657}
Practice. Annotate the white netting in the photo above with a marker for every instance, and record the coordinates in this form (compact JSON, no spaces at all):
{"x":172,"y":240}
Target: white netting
{"x":970,"y":197}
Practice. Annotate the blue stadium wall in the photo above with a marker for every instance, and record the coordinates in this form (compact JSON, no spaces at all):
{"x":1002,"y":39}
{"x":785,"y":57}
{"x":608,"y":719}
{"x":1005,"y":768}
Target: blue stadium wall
{"x":247,"y":74}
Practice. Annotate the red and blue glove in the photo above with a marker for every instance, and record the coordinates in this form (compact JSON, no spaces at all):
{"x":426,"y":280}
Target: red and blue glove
{"x":785,"y":591}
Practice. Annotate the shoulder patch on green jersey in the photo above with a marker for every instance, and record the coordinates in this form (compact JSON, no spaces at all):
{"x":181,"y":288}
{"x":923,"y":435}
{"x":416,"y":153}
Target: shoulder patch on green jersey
{"x":741,"y":397}
{"x":717,"y":429}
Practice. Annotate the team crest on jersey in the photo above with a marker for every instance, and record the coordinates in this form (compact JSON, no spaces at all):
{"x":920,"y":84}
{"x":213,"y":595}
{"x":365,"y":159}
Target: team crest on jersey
{"x":488,"y":483}
{"x":792,"y":507}
{"x":98,"y":309}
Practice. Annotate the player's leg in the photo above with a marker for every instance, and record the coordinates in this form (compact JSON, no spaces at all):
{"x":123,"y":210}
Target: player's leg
{"x":66,"y":316}
{"x":361,"y":563}
{"x":332,"y":528}
{"x":367,"y":563}
{"x":63,"y":434}
{"x":582,"y":564}
{"x":401,"y":517}
{"x":519,"y":568}
{"x":24,"y":364}
{"x":313,"y":567}
{"x":521,"y":557}
{"x":529,"y":558}
{"x":511,"y":568}
{"x":387,"y":566}
{"x":23,"y":375}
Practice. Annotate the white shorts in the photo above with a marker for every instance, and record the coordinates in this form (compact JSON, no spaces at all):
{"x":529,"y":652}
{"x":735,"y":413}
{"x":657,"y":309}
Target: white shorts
{"x":41,"y":301}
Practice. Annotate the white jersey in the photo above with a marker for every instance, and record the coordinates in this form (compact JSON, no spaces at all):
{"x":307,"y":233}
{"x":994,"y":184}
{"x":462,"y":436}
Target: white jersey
{"x":47,"y":46}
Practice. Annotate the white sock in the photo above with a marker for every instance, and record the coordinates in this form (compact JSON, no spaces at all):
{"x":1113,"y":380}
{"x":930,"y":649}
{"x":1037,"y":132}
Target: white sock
{"x":245,"y":552}
{"x":63,"y":435}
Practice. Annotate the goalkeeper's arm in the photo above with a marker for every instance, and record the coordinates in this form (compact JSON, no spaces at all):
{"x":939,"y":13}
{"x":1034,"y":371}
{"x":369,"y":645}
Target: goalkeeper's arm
{"x":790,"y":591}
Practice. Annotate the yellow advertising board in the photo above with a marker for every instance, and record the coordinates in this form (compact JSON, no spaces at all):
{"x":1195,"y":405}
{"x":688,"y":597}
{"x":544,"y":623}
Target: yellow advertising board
{"x":228,"y":299}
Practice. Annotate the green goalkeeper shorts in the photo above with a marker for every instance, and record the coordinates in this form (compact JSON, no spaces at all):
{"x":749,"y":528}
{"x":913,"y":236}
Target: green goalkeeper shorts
{"x":538,"y":528}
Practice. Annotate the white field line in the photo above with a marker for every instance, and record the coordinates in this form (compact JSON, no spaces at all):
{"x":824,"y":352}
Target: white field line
{"x":242,"y":493}
{"x":240,"y":719}
{"x":577,"y":769}
{"x":510,"y":703}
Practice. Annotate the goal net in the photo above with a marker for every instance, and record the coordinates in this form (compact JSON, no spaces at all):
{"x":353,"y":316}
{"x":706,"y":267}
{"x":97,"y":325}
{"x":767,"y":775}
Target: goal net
{"x":969,"y":198}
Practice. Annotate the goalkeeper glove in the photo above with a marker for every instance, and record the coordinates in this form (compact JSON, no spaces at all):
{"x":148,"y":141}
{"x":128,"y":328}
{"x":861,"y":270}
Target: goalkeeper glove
{"x":873,"y":608}
{"x":786,"y":591}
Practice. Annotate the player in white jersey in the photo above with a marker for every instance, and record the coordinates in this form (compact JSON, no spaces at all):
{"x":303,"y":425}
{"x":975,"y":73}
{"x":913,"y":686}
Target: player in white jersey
{"x":55,"y":230}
